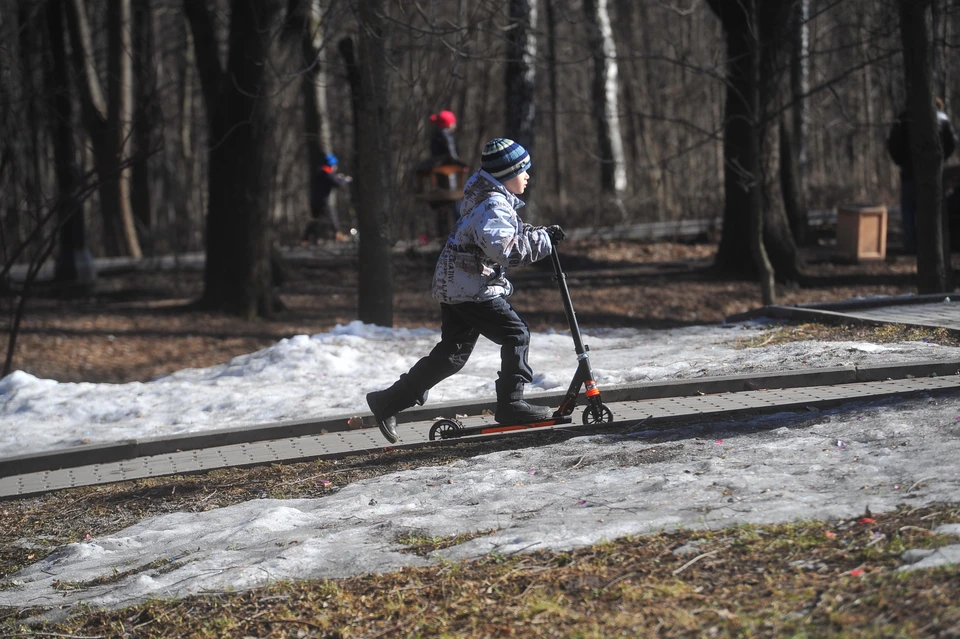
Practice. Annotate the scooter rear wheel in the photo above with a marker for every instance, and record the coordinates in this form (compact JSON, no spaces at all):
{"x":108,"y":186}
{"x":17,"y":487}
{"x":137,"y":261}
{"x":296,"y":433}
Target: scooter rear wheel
{"x":597,"y":414}
{"x":444,"y":429}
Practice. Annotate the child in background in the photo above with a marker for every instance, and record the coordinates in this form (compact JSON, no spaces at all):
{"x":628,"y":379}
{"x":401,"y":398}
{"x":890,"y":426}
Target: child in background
{"x":325,"y":223}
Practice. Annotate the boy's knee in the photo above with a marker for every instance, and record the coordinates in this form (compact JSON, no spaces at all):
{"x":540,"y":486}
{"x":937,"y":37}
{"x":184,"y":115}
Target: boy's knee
{"x":516,"y":340}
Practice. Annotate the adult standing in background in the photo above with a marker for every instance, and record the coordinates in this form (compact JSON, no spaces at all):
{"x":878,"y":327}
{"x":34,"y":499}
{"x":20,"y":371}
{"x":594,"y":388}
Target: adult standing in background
{"x":898,"y":145}
{"x":443,"y":148}
{"x":442,"y":142}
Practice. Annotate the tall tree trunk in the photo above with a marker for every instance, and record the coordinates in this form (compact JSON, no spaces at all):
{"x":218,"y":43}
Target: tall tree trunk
{"x":146,"y":116}
{"x":613,"y":171}
{"x":754,"y":85}
{"x":374,"y":202}
{"x":520,"y":72}
{"x":108,"y":121}
{"x":237,"y":278}
{"x":559,"y":184}
{"x":181,"y":183}
{"x":934,"y":273}
{"x":520,"y":76}
{"x":793,"y":134}
{"x":352,"y":69}
{"x":734,"y":253}
{"x":743,"y":172}
{"x":74,"y":263}
{"x":304,"y":20}
{"x":31,"y":150}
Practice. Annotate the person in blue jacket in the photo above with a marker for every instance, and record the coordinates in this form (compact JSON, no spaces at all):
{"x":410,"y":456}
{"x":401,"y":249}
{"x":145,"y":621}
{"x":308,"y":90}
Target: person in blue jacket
{"x":325,"y":223}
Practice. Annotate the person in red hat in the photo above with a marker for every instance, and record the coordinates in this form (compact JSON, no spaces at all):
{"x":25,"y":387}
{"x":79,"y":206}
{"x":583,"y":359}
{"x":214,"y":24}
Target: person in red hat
{"x":442,"y":142}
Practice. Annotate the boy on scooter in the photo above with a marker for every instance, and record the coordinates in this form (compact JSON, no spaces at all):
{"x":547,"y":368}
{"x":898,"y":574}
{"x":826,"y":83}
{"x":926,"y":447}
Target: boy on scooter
{"x":471,"y":285}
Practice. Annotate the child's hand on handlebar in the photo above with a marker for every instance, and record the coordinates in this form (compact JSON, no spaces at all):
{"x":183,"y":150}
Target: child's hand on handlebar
{"x":555,"y":232}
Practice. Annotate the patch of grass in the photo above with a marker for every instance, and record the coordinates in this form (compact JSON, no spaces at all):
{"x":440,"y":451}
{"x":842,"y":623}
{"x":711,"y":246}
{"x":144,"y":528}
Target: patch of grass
{"x":159,"y":566}
{"x":803,"y":579}
{"x":881,"y":334}
{"x":423,"y":546}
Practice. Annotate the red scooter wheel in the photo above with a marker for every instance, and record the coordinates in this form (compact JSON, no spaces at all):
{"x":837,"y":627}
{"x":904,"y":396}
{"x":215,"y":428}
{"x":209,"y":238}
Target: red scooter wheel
{"x":597,"y":414}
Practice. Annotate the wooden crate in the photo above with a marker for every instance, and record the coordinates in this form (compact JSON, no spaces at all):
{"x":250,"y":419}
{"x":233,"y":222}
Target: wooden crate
{"x":862,"y":232}
{"x":440,"y":180}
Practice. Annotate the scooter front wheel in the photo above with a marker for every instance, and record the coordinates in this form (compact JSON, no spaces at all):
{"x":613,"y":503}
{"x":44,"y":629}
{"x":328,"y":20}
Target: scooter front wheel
{"x":444,"y":429}
{"x":597,"y":414}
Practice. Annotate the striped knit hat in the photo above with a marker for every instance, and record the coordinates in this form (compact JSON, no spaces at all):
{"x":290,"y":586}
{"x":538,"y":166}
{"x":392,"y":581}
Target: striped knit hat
{"x":504,"y":159}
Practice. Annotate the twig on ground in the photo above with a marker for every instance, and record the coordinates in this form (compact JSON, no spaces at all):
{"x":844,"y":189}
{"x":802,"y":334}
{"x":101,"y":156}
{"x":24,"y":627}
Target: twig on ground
{"x":693,"y":561}
{"x":919,"y":481}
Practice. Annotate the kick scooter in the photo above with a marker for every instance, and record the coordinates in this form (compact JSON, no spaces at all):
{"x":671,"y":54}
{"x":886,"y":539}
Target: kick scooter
{"x":595,"y":412}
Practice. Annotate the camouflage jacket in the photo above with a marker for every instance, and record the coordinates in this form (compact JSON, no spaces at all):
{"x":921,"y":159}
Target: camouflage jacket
{"x":488,"y":238}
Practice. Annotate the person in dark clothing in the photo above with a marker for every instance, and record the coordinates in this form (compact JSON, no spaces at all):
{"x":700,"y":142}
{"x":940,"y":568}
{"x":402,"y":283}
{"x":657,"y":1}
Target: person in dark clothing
{"x":442,"y":142}
{"x":325,"y":223}
{"x":443,"y":147}
{"x":470,"y":282}
{"x":898,"y":145}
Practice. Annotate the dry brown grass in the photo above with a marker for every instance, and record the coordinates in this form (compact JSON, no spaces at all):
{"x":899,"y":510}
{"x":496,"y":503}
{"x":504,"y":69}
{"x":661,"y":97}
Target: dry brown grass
{"x":806,"y":579}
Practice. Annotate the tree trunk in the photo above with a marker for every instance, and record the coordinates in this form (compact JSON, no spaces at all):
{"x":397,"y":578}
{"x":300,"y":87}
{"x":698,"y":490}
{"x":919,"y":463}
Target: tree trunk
{"x":305,"y":21}
{"x":742,"y":171}
{"x":237,"y":278}
{"x":793,"y":135}
{"x":352,"y":69}
{"x":754,"y":159}
{"x":559,"y":184}
{"x":146,"y":116}
{"x":74,"y":263}
{"x":734,"y":255}
{"x":934,"y":273}
{"x":520,"y":78}
{"x":108,"y":121}
{"x":374,"y":201}
{"x":790,"y":189}
{"x":31,"y":150}
{"x":613,"y":172}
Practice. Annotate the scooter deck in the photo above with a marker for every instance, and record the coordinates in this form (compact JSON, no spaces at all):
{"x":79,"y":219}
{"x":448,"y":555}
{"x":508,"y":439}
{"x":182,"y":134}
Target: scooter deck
{"x":453,"y":428}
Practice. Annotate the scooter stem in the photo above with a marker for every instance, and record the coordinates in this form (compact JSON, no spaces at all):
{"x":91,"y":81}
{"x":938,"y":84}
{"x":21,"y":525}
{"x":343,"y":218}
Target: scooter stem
{"x":567,"y":303}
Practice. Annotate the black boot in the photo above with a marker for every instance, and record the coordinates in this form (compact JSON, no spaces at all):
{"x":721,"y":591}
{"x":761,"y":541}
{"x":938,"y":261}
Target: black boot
{"x":512,"y":409}
{"x":387,"y":403}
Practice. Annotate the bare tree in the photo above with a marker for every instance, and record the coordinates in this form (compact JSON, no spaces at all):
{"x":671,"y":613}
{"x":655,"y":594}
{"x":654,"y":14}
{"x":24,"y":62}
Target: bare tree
{"x":606,"y":112}
{"x":754,"y":33}
{"x":793,"y":130}
{"x":146,"y":120}
{"x":237,"y":276}
{"x":934,"y":274}
{"x":520,"y":77}
{"x":108,"y":120}
{"x":741,"y":143}
{"x":304,"y":19}
{"x":374,"y":174}
{"x":74,"y":263}
{"x":558,"y":182}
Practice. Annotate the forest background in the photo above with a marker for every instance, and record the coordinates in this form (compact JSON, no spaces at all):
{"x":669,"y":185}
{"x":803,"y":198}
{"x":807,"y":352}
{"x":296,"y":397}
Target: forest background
{"x":159,"y":127}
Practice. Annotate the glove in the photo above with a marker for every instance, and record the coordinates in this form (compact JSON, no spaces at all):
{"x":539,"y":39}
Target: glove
{"x":555,"y":232}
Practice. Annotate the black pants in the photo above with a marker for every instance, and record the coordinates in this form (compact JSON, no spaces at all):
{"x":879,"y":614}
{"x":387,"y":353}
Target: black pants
{"x":462,"y":324}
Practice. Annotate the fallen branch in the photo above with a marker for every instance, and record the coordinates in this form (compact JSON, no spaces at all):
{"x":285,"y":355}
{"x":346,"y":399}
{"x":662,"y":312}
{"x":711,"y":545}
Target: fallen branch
{"x":693,"y":561}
